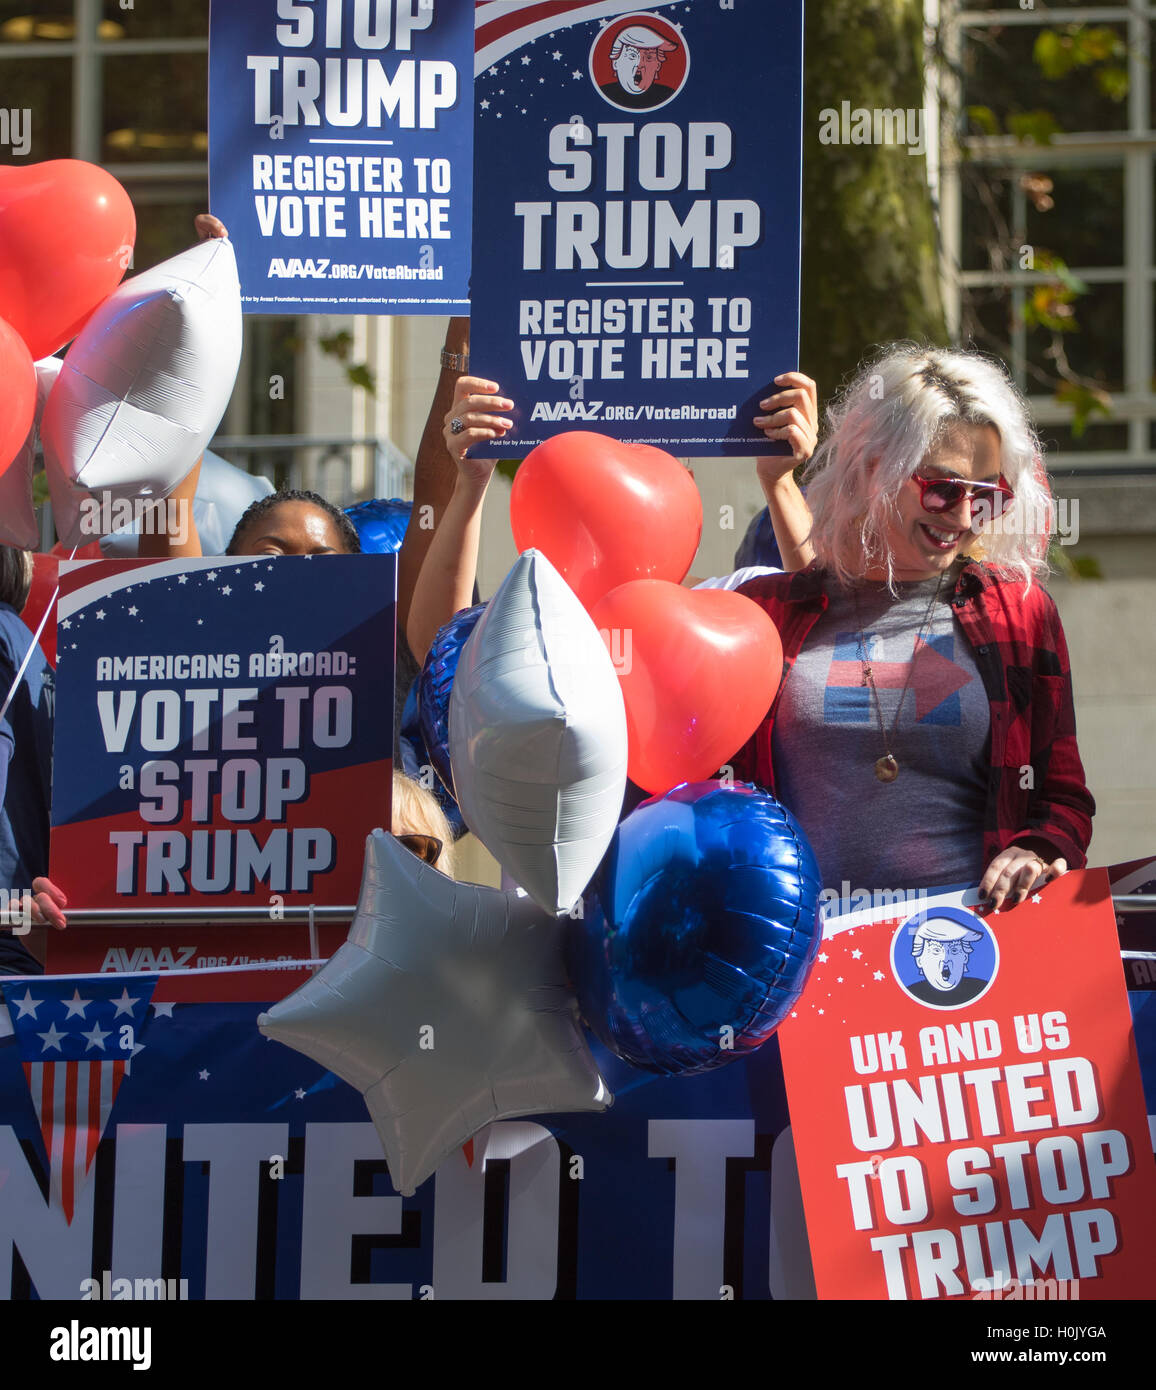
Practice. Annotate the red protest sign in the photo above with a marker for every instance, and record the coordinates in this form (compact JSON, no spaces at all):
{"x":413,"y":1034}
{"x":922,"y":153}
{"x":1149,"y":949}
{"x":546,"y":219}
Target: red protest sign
{"x":966,"y":1103}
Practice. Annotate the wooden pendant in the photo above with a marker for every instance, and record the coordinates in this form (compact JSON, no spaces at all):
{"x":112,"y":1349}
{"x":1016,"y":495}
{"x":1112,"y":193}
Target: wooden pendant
{"x":886,"y":768}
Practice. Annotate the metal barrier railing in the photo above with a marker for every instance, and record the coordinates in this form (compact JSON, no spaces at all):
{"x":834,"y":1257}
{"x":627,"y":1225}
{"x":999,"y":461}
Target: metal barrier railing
{"x":301,"y":916}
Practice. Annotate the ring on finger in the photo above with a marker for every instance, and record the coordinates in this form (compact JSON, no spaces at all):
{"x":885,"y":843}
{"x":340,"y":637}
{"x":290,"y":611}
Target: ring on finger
{"x":457,"y":425}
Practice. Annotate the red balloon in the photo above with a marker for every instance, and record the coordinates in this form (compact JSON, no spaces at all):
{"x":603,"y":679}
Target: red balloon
{"x":698,"y":668}
{"x":604,"y":513}
{"x":67,"y":230}
{"x":18,"y":400}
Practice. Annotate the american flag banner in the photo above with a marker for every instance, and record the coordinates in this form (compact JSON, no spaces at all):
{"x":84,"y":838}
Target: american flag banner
{"x":76,"y":1040}
{"x":500,"y":28}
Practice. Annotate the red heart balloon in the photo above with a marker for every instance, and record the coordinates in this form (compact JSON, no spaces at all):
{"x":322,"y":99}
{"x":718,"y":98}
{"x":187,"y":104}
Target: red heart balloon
{"x":67,"y":230}
{"x":605,"y":513}
{"x":699,"y":669}
{"x":18,"y":402}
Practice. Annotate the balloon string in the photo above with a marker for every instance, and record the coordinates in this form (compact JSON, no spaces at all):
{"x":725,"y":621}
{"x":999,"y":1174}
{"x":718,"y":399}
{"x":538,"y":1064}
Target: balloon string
{"x":12,"y":689}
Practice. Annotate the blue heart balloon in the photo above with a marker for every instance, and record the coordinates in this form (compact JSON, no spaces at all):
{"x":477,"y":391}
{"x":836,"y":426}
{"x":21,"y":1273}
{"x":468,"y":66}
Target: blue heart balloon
{"x":699,"y":929}
{"x":434,"y":686}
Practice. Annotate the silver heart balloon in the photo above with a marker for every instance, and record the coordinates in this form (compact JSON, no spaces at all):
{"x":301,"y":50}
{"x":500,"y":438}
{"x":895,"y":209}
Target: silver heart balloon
{"x":447,"y":1007}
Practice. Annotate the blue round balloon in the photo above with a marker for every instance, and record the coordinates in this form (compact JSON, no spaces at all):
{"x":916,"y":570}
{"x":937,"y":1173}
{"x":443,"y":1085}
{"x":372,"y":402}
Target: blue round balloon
{"x":434,"y":686}
{"x":699,"y":929}
{"x":380,"y":523}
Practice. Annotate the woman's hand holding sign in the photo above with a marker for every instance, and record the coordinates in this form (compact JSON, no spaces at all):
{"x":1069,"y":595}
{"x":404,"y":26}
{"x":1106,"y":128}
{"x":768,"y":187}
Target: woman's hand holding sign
{"x":470,"y":420}
{"x":1015,"y":872}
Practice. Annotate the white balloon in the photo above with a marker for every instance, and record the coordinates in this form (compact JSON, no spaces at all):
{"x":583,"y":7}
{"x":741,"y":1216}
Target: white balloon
{"x":143,"y":387}
{"x":538,"y":735}
{"x":447,"y":1007}
{"x":17,"y":514}
{"x":224,"y":492}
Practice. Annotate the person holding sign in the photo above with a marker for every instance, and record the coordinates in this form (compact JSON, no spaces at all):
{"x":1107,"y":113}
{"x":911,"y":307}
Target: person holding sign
{"x":924,"y":732}
{"x":446,"y":582}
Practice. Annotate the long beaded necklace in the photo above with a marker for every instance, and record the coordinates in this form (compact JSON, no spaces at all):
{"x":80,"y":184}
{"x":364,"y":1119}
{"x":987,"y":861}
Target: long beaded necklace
{"x":887,"y":767}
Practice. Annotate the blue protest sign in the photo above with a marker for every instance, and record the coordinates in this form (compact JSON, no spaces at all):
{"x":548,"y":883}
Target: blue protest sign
{"x":224,"y":728}
{"x":339,"y":152}
{"x":636,"y":233}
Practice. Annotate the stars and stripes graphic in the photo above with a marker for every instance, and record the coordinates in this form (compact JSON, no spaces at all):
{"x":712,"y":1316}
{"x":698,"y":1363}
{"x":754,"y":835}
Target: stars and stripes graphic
{"x":502,"y":28}
{"x":76,"y":1039}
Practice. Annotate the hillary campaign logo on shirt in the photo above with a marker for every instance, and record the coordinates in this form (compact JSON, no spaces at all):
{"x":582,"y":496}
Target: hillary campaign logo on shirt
{"x":936,"y":680}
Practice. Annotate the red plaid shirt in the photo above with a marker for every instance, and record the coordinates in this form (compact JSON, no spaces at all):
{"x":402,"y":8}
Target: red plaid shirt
{"x":1022,"y":659}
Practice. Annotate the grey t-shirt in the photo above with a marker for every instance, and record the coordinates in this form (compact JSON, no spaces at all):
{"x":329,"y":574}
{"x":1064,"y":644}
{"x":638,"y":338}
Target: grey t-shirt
{"x":925,"y":828}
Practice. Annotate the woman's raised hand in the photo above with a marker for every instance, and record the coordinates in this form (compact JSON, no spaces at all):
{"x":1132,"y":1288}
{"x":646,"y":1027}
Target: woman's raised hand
{"x":472,"y":419}
{"x":792,"y":413}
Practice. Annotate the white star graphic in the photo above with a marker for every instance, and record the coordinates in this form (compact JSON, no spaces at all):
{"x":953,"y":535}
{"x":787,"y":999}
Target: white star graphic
{"x":133,"y":611}
{"x":76,"y":1005}
{"x":66,"y":623}
{"x":525,"y":60}
{"x":541,"y":80}
{"x":1036,"y":898}
{"x":259,"y":586}
{"x":485,"y":105}
{"x":822,"y":957}
{"x":182,"y":578}
{"x":27,"y":1005}
{"x":822,"y":1011}
{"x":838,"y":979}
{"x":100,"y":612}
{"x":202,"y":1076}
{"x":299,"y":1093}
{"x":225,"y":589}
{"x":556,"y":55}
{"x":856,"y":955}
{"x":163,"y":1010}
{"x":501,"y":91}
{"x":124,"y":1005}
{"x":499,"y":115}
{"x":96,"y":1036}
{"x":200,"y":622}
{"x":493,"y":72}
{"x":575,"y":73}
{"x":878,"y":975}
{"x":52,"y":1038}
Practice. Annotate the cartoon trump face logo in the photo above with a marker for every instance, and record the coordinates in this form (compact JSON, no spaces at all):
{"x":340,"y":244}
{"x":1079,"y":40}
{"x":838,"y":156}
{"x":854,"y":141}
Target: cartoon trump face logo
{"x":639,"y":63}
{"x":944,"y":957}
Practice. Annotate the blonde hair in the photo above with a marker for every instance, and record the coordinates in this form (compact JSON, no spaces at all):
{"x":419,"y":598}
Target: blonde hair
{"x":879,"y":431}
{"x":416,"y":812}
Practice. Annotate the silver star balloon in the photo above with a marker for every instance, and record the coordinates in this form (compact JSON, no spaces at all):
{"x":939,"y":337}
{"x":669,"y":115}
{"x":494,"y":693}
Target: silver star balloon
{"x":447,"y":1007}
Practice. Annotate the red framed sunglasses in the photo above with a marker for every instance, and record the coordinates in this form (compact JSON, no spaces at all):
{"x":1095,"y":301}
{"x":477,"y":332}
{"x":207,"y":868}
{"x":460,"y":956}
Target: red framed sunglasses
{"x":942,"y":494}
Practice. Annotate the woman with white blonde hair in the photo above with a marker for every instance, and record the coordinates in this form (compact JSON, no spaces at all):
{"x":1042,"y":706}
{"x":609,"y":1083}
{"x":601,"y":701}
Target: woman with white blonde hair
{"x":420,"y":824}
{"x":923,"y":732}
